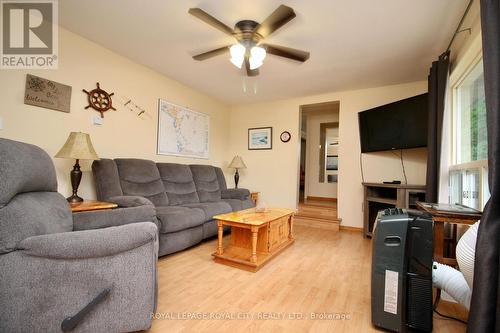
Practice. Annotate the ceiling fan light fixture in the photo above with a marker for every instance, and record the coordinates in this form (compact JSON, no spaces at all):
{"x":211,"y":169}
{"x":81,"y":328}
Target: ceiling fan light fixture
{"x":237,"y":52}
{"x":249,"y":34}
{"x":254,"y":64}
{"x":257,"y":55}
{"x":238,"y":62}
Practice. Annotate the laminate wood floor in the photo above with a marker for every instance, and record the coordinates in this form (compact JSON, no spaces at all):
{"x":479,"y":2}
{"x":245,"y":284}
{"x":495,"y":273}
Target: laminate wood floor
{"x":326,"y":273}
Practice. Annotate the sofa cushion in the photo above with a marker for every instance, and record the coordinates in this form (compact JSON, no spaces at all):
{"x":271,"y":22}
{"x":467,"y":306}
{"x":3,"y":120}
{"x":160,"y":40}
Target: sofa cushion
{"x":178,"y":183}
{"x":107,"y":180}
{"x":33,"y":214}
{"x":24,"y":168}
{"x":176,"y":218}
{"x":98,"y":219}
{"x":220,"y":178}
{"x":29,"y":203}
{"x":141,"y":178}
{"x":211,"y":208}
{"x":177,"y":241}
{"x":210,"y":229}
{"x":207,"y":183}
{"x":236,"y":193}
{"x":237,"y":204}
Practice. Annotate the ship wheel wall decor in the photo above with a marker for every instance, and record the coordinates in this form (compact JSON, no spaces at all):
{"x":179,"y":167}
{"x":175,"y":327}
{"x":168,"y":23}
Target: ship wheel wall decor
{"x":99,"y":100}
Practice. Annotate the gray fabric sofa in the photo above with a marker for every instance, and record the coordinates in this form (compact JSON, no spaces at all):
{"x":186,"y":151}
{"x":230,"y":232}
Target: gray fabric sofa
{"x":186,"y":197}
{"x":48,"y":272}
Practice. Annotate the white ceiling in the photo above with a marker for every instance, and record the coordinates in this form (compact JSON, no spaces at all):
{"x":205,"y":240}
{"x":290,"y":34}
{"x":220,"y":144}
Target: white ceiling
{"x":353,"y":43}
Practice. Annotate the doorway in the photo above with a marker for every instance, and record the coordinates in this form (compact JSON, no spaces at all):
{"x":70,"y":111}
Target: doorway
{"x":319,"y":161}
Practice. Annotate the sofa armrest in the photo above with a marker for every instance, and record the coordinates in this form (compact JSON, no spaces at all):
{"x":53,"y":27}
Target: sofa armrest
{"x":127,"y":201}
{"x":113,"y":217}
{"x":90,"y":243}
{"x":235,"y":193}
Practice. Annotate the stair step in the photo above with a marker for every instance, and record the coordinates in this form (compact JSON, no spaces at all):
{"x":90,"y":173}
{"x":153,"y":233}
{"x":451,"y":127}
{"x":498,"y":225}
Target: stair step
{"x":313,"y":215}
{"x":317,"y":223}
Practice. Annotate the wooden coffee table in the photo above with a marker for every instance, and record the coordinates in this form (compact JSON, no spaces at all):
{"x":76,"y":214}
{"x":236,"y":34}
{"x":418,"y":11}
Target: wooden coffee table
{"x":255,"y":237}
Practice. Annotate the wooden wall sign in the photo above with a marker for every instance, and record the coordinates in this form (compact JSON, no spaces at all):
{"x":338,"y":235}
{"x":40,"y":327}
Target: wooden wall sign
{"x":47,"y":94}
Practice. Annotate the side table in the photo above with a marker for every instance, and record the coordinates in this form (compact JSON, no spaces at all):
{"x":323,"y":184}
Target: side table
{"x":446,"y":213}
{"x":91,"y":205}
{"x":254,"y":196}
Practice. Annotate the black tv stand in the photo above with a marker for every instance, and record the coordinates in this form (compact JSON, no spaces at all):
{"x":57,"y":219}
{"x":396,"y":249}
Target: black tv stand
{"x":379,"y":196}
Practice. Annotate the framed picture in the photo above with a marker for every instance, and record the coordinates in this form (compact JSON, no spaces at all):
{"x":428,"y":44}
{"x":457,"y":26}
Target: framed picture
{"x":260,"y":138}
{"x":333,"y":178}
{"x":181,"y":131}
{"x":332,"y":162}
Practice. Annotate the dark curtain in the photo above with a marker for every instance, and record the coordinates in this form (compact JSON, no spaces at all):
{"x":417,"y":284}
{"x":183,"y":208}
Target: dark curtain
{"x":484,"y":313}
{"x":438,"y":80}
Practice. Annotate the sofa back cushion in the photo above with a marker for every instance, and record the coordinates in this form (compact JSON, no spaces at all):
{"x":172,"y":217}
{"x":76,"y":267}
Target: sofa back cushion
{"x":107,"y":180}
{"x":24,"y":168}
{"x":220,"y":178}
{"x":29,"y":202}
{"x":141,"y":178}
{"x":206,"y":182}
{"x":178,"y":183}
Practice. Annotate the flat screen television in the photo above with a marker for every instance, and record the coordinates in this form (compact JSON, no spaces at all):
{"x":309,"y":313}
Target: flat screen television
{"x":398,"y":125}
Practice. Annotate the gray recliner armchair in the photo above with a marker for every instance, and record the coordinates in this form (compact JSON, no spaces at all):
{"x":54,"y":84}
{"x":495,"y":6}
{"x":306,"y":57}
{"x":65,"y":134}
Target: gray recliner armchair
{"x":54,"y":279}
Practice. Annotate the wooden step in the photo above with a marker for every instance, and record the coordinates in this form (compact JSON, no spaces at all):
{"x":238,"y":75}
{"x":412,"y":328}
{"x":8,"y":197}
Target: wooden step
{"x":317,"y":216}
{"x":323,"y":213}
{"x":317,"y":223}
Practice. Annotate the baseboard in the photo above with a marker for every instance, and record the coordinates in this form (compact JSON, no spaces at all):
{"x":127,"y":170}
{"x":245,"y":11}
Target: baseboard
{"x":321,"y":199}
{"x":349,"y":228}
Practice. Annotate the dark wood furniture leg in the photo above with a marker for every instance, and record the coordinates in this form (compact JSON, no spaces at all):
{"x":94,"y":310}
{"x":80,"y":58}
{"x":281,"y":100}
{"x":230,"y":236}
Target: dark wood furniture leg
{"x":438,"y":241}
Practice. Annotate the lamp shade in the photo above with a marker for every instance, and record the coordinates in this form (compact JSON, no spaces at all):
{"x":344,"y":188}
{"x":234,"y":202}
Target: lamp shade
{"x":78,"y":146}
{"x":257,"y":57}
{"x":237,"y":163}
{"x":237,"y":52}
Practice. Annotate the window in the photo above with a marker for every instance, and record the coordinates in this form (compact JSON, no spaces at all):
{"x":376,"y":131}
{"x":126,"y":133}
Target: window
{"x":469,"y":169}
{"x":471,"y":140}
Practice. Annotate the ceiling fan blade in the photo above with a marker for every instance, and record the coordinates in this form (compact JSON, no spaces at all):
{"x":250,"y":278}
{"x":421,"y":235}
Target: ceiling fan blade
{"x":210,"y":54}
{"x":287,"y":52}
{"x":209,"y":19}
{"x":250,"y":72}
{"x":281,"y":16}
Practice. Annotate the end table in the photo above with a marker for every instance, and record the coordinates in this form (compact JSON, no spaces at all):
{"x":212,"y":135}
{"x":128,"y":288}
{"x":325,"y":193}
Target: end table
{"x":91,"y":205}
{"x":254,"y":196}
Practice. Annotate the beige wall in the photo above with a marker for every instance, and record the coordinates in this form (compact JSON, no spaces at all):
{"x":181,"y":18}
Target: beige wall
{"x":83,"y":63}
{"x":275,"y":172}
{"x":464,"y":41}
{"x":313,"y":188}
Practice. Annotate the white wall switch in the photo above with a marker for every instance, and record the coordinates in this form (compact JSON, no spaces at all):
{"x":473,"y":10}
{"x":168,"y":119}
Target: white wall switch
{"x":1,"y":123}
{"x":97,"y":120}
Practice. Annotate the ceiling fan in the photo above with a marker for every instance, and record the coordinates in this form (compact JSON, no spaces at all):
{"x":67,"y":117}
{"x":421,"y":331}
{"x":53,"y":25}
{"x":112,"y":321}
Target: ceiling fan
{"x":249,"y":34}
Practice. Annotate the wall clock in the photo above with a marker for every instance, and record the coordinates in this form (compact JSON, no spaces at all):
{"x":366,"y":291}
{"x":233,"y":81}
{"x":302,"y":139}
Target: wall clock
{"x":285,"y":136}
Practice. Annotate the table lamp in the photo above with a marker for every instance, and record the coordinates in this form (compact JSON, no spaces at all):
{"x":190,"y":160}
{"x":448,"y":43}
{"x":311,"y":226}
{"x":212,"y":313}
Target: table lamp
{"x":79,"y":147}
{"x":237,"y":163}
